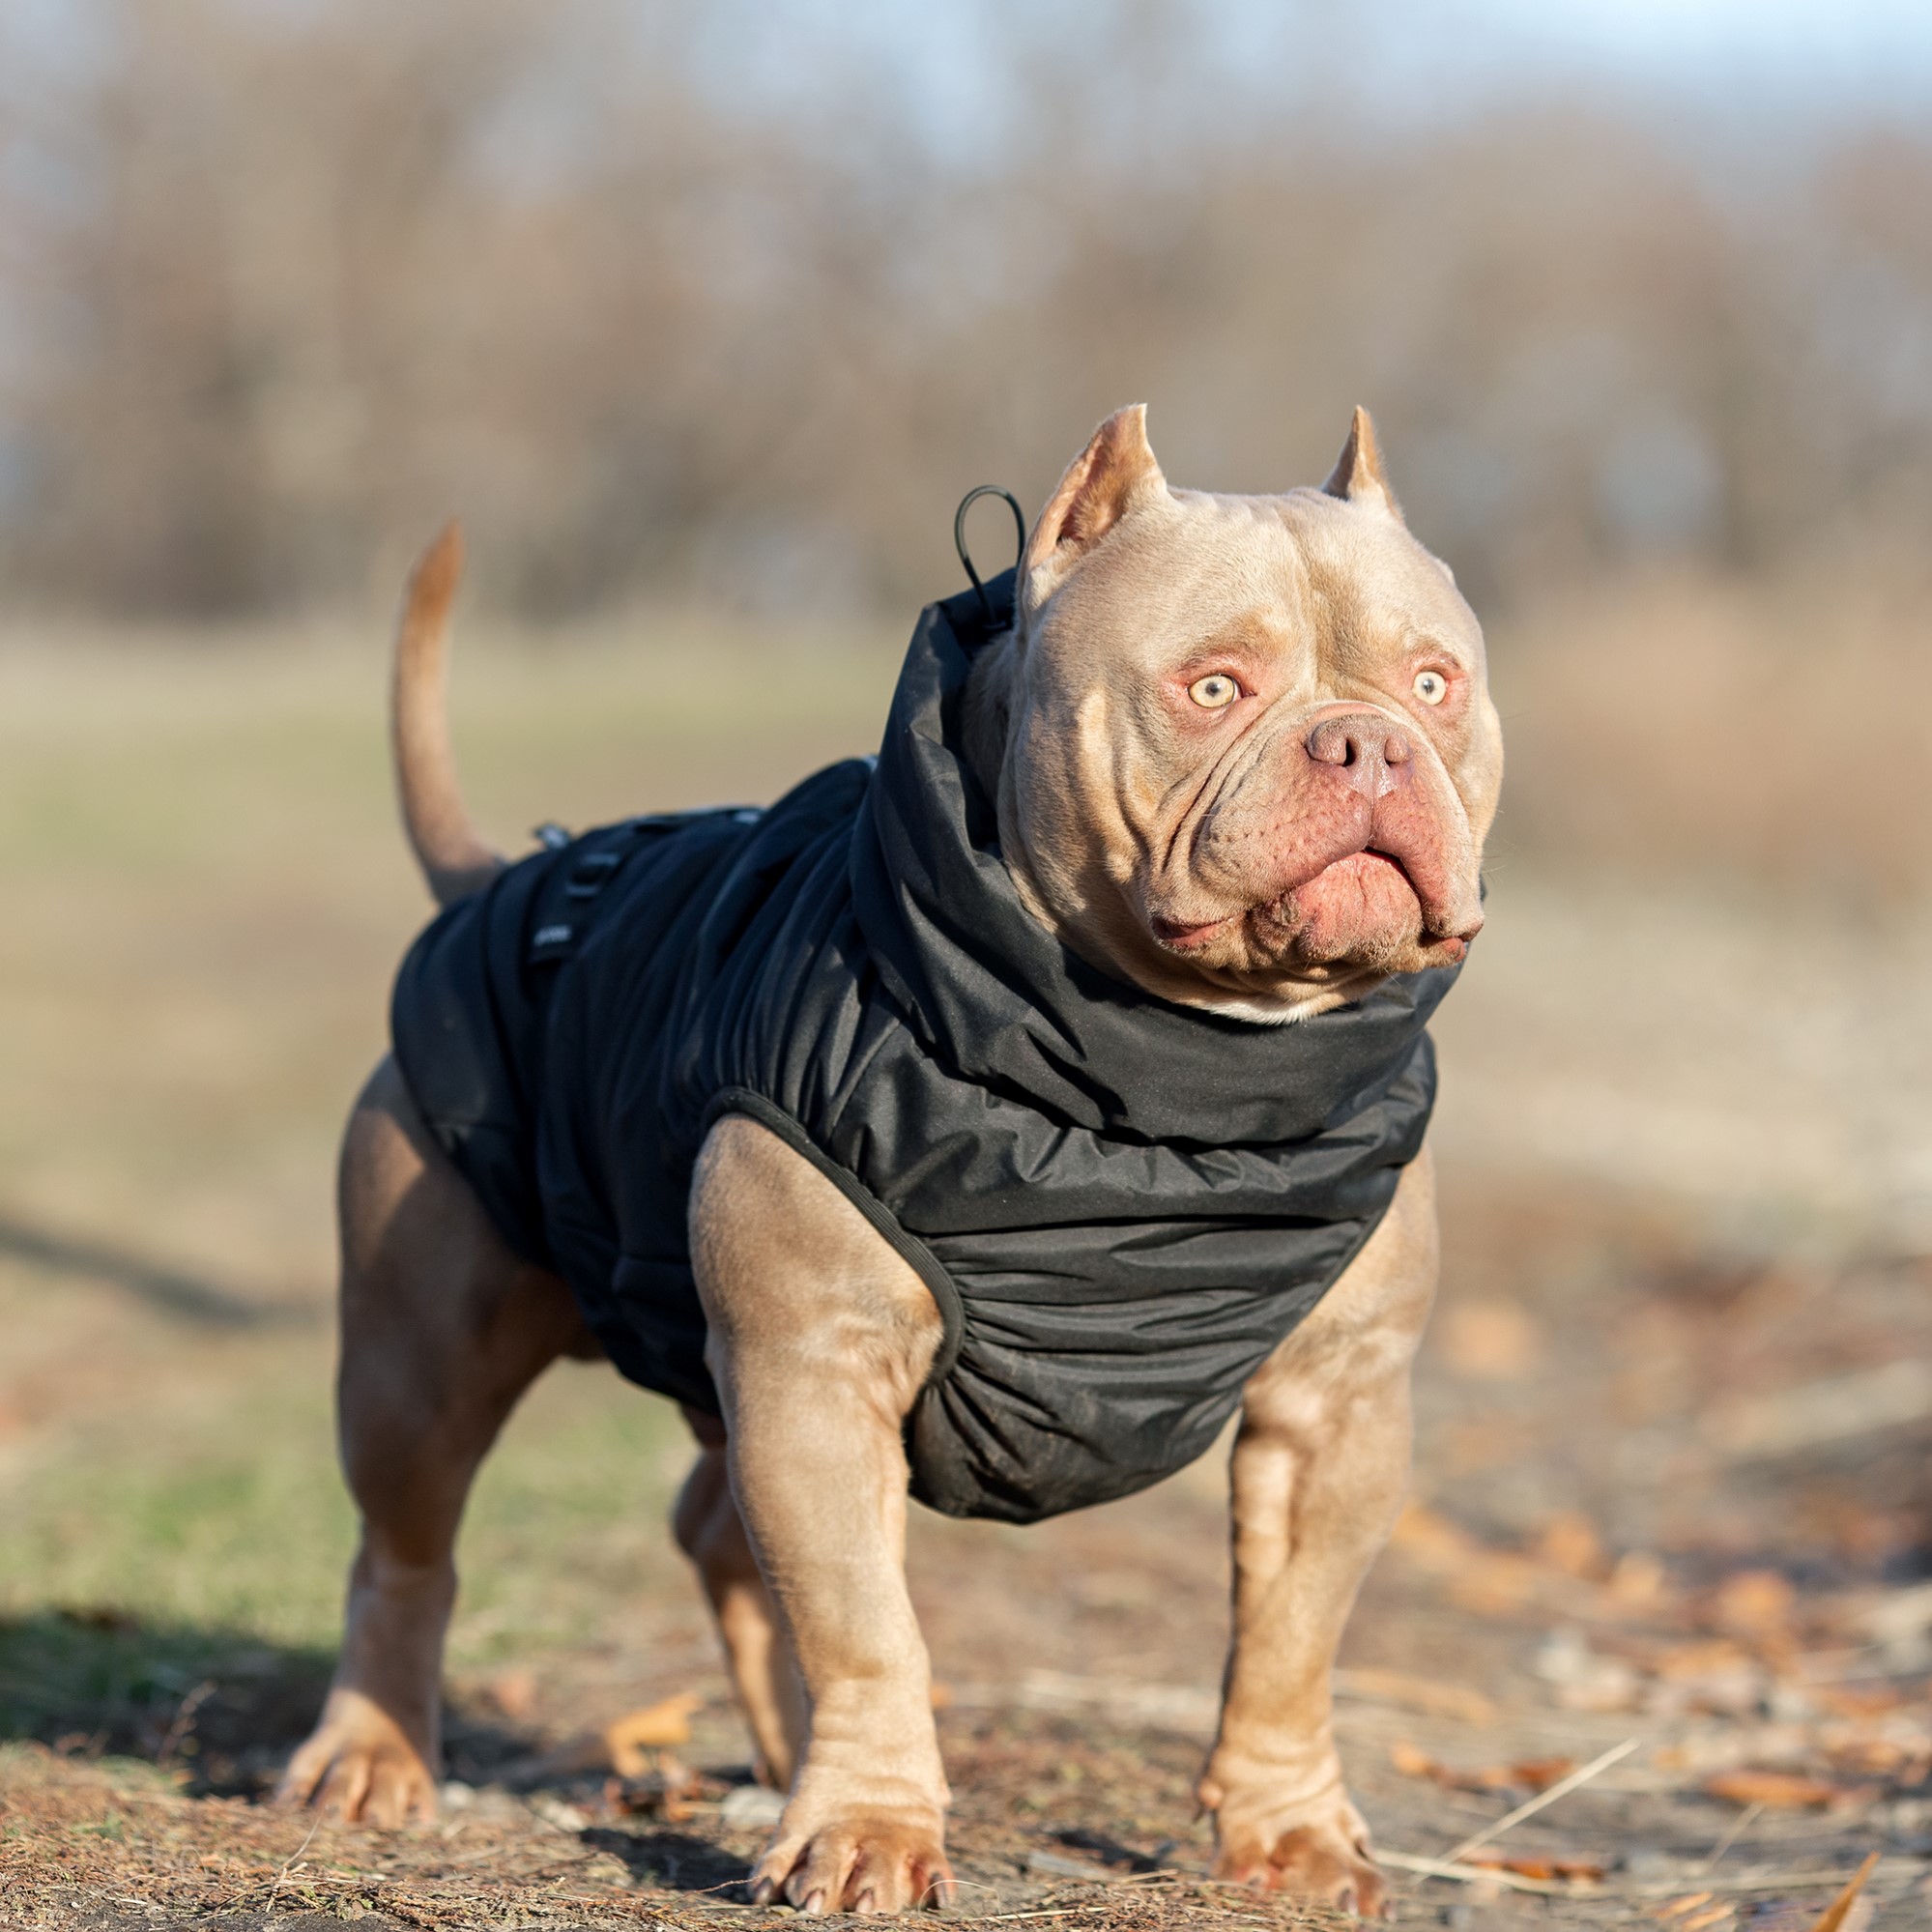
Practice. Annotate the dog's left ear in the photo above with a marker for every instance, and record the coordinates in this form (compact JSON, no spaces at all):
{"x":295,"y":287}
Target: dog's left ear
{"x":1113,"y":472}
{"x":1357,"y":477}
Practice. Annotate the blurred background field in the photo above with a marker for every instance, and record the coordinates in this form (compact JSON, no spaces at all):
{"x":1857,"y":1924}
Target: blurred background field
{"x":702,"y":319}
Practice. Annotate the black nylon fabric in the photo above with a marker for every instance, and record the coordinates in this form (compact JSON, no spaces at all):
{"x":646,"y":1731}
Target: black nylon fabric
{"x":1123,"y":1206}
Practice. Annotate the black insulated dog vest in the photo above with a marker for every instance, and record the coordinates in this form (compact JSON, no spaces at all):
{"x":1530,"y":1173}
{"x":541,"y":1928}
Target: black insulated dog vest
{"x":1121,"y":1206}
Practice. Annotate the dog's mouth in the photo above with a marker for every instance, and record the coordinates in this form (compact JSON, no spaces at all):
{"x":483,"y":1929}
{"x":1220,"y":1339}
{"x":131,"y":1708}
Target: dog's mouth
{"x":1363,"y":907}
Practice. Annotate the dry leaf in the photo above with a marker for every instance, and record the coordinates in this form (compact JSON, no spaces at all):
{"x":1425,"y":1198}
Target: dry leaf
{"x":1530,"y":1775}
{"x":1863,"y":1700}
{"x":1880,"y":1757}
{"x":1479,"y":1579}
{"x":1716,"y":1675}
{"x":1528,"y":1864}
{"x":1431,"y":1539}
{"x":652,"y":1728}
{"x":1639,"y":1579}
{"x":1835,"y":1915}
{"x":1488,"y":1581}
{"x":1715,"y":1916}
{"x":1569,"y":1543}
{"x":1775,"y":1790}
{"x":1755,"y":1602}
{"x":1707,"y":1656}
{"x":670,"y":1792}
{"x":1678,"y":1907}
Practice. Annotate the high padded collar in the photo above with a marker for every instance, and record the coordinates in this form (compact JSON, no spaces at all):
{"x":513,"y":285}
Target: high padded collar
{"x":997,"y":997}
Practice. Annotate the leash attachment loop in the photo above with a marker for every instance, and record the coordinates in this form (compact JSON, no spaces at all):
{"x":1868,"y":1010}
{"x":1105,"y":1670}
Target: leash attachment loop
{"x":966,"y":503}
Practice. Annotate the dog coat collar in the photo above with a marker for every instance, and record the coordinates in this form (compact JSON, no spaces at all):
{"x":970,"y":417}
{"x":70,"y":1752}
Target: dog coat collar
{"x":996,"y":995}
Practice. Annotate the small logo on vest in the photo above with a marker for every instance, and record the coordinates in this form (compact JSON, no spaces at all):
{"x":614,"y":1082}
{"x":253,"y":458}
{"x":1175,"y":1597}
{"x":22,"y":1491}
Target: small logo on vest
{"x":551,"y":935}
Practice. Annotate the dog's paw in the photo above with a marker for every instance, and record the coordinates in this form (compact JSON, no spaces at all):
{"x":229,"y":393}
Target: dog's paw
{"x":1314,"y":1844}
{"x":1311,"y":1862}
{"x":861,"y":1860}
{"x":359,"y":1766}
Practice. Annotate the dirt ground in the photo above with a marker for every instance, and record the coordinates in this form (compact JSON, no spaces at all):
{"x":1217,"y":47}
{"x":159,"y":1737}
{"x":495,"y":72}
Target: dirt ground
{"x":1673,"y":1416}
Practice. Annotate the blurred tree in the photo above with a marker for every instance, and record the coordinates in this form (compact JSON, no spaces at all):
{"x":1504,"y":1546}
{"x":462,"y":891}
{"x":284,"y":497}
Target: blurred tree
{"x":675,"y":298}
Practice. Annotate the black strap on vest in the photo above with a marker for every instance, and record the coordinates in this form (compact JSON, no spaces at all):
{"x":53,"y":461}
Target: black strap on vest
{"x":566,"y":903}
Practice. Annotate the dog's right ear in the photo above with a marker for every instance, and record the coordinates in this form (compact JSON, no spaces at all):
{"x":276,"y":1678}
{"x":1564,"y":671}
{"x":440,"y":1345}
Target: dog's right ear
{"x":1113,"y":472}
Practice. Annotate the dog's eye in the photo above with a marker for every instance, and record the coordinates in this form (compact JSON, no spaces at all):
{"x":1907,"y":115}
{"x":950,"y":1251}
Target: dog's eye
{"x":1432,"y":686}
{"x":1214,"y":691}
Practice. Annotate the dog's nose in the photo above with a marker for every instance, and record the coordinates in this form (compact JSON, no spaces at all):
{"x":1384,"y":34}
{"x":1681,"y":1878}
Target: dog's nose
{"x":1372,"y":751}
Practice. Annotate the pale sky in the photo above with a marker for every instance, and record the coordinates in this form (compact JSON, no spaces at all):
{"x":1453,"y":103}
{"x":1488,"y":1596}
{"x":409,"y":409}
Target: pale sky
{"x":1714,"y":66}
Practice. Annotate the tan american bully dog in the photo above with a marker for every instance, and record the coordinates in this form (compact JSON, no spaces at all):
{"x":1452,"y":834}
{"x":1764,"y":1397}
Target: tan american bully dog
{"x":1158,"y":875}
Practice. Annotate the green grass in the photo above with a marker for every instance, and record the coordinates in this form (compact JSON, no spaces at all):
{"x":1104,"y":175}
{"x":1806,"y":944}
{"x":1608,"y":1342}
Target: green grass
{"x":170,"y":1550}
{"x":234,"y":1518}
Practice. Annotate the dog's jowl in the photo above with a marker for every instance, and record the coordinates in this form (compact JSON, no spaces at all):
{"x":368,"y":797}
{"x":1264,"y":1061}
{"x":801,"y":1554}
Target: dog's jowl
{"x":988,"y":1122}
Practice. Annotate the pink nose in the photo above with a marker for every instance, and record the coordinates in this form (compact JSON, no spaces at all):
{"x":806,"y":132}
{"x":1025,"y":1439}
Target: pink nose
{"x":1373,"y":754}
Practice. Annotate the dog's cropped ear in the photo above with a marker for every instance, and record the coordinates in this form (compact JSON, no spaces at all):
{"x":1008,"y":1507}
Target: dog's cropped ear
{"x":1357,"y":477}
{"x":1113,"y":472}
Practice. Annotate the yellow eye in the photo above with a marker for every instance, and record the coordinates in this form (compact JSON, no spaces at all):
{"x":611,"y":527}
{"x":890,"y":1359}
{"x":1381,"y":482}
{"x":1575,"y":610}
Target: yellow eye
{"x":1214,"y":691}
{"x":1432,"y":686}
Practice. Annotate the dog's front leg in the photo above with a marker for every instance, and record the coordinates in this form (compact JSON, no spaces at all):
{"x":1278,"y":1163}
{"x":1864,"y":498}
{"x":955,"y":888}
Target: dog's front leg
{"x":820,"y":1338}
{"x":1320,"y":1464}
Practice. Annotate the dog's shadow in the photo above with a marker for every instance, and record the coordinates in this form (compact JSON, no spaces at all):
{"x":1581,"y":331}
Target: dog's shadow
{"x":193,"y":1299}
{"x":219,"y":1707}
{"x":673,"y":1861}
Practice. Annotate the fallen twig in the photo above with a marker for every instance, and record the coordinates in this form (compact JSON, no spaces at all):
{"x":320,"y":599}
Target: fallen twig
{"x":1583,"y":1775}
{"x":184,"y":1720}
{"x":282,"y":1875}
{"x":1735,"y":1830}
{"x":1836,"y":1914}
{"x":1408,"y":1861}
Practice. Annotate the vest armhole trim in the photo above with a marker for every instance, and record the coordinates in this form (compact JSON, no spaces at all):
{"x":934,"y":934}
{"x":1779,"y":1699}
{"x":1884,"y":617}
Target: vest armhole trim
{"x":905,"y":1245}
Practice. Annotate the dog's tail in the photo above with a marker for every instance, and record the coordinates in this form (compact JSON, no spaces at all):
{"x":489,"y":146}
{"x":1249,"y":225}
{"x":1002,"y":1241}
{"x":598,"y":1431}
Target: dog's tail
{"x":452,"y":853}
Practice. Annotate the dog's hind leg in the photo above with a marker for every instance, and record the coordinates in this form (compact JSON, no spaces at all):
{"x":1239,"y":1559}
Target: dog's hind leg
{"x":442,"y":1330}
{"x":1320,"y":1464}
{"x":712,"y":1533}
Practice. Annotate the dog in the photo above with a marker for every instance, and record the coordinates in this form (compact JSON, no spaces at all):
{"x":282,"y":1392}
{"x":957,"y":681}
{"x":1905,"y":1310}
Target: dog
{"x":990,"y":1123}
